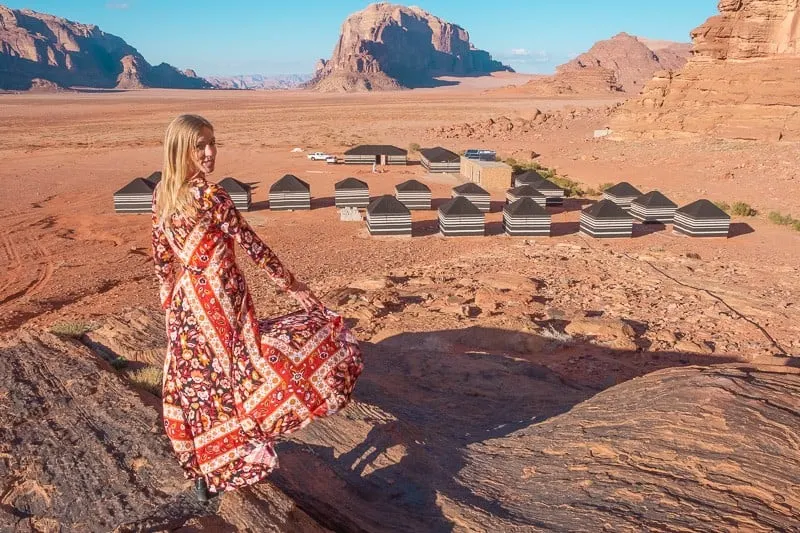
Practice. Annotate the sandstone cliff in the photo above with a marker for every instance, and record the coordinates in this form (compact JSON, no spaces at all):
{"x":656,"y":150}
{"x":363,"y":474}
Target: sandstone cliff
{"x":387,"y":46}
{"x":623,"y":63}
{"x":36,"y":45}
{"x":740,"y":82}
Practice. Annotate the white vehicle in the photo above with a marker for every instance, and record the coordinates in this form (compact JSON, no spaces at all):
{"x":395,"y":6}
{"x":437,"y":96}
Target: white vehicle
{"x":319,"y":156}
{"x":331,"y":159}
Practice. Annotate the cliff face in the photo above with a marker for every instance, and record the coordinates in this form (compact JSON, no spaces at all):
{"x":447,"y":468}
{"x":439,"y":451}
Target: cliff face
{"x":388,"y":46}
{"x":623,"y":63}
{"x":630,"y":60}
{"x":741,"y":81}
{"x":40,"y":46}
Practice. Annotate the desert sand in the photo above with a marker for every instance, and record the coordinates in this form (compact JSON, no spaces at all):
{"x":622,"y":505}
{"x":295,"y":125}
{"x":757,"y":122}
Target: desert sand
{"x":470,"y":338}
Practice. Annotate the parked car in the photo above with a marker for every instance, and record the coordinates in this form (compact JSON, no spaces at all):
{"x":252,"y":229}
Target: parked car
{"x":331,"y":159}
{"x":483,"y":155}
{"x":319,"y":156}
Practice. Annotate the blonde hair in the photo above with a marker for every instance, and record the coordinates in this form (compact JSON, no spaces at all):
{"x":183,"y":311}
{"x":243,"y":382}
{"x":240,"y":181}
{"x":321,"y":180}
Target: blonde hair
{"x":180,"y":143}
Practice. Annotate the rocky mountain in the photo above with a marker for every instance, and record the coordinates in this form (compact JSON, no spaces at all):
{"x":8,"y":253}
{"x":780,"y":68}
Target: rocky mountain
{"x":258,"y":81}
{"x":388,"y":46}
{"x":623,"y":63}
{"x":741,"y":81}
{"x":65,"y":53}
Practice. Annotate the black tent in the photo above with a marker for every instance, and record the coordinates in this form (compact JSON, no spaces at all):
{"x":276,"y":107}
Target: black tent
{"x":351,"y":192}
{"x":606,"y":219}
{"x":289,"y":193}
{"x":386,"y":215}
{"x":653,"y":207}
{"x":622,"y":194}
{"x":440,"y":159}
{"x":526,"y":217}
{"x":475,"y":194}
{"x":414,"y":194}
{"x":155,"y":177}
{"x":525,"y":191}
{"x":702,"y":219}
{"x":239,"y":192}
{"x":381,"y":154}
{"x":460,"y":217}
{"x":135,"y":197}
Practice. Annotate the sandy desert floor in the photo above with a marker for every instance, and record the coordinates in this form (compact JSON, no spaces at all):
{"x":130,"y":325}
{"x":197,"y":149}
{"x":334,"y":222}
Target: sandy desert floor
{"x":68,"y":256}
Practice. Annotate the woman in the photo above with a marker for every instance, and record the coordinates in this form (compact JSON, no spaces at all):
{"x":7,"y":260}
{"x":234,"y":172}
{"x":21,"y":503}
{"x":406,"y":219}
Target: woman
{"x":231,"y":383}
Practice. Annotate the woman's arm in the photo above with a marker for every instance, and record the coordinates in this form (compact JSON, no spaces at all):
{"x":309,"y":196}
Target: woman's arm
{"x":163,"y":257}
{"x":231,"y":222}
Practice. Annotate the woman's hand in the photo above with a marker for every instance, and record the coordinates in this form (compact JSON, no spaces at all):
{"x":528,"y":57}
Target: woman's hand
{"x":304,"y":296}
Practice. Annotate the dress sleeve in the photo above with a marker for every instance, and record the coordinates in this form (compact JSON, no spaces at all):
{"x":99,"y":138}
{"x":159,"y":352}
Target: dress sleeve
{"x":230,"y":221}
{"x":163,"y":257}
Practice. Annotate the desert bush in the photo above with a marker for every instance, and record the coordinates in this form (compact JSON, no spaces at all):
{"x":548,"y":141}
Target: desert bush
{"x":796,"y":225}
{"x":725,"y":206}
{"x":71,"y":329}
{"x":781,"y":220}
{"x":550,"y":332}
{"x":591,"y":191}
{"x":119,"y":363}
{"x":743,"y":210}
{"x":692,"y":255}
{"x":413,"y":147}
{"x":147,"y":378}
{"x":605,"y":186}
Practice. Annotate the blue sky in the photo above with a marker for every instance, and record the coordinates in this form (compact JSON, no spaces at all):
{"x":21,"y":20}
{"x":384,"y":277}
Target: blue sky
{"x":276,"y":37}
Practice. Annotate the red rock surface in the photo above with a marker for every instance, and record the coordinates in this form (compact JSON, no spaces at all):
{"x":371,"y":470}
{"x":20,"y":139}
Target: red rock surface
{"x":37,"y":45}
{"x":388,"y":46}
{"x":740,"y":83}
{"x":623,"y":63}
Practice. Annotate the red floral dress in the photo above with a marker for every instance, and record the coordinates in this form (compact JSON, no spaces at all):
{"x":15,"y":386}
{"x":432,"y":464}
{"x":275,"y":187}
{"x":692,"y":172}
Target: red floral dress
{"x":232,"y":383}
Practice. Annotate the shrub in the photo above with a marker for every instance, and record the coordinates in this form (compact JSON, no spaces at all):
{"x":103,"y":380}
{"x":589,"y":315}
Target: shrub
{"x":413,"y":147}
{"x":781,"y":220}
{"x":571,"y":187}
{"x":692,"y":255}
{"x":743,"y":210}
{"x":796,"y":225}
{"x":605,"y":186}
{"x":71,"y":329}
{"x":147,"y":378}
{"x":119,"y":363}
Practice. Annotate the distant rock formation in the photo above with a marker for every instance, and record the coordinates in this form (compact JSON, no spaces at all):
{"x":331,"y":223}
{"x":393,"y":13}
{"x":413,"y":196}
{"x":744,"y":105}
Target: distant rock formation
{"x":258,"y":81}
{"x":388,"y":46}
{"x":741,"y":81}
{"x":36,"y":45}
{"x":623,"y":63}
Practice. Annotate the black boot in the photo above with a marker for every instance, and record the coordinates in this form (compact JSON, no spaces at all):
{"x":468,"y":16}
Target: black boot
{"x":201,"y":490}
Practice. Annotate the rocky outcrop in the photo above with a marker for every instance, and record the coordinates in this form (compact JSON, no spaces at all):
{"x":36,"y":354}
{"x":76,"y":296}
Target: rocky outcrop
{"x":387,"y":46}
{"x":36,"y":45}
{"x":740,"y":82}
{"x":81,"y":451}
{"x":623,"y":63}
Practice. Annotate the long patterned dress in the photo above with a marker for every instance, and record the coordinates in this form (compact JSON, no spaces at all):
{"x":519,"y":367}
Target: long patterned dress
{"x":232,"y":383}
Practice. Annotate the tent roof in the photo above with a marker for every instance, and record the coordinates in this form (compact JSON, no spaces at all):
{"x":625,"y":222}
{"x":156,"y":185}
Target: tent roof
{"x":233,"y":185}
{"x":440,"y":155}
{"x":376,"y":149}
{"x":470,"y":188}
{"x":525,"y":207}
{"x":351,"y":183}
{"x":525,"y":190}
{"x":387,"y":205}
{"x":155,"y":177}
{"x":606,"y":209}
{"x":289,"y":183}
{"x":528,"y":177}
{"x":545,"y":185}
{"x":623,"y":189}
{"x":654,"y":199}
{"x":459,"y":206}
{"x":703,"y":209}
{"x":137,"y":186}
{"x":412,"y":186}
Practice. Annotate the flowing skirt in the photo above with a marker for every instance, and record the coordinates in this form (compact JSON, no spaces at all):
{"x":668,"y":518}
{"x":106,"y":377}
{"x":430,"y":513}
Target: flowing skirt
{"x":223,"y":409}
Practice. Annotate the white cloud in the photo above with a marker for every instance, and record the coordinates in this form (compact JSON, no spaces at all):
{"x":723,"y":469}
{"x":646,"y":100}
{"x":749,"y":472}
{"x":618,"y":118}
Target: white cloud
{"x":112,"y":5}
{"x":523,"y":55}
{"x":519,"y":52}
